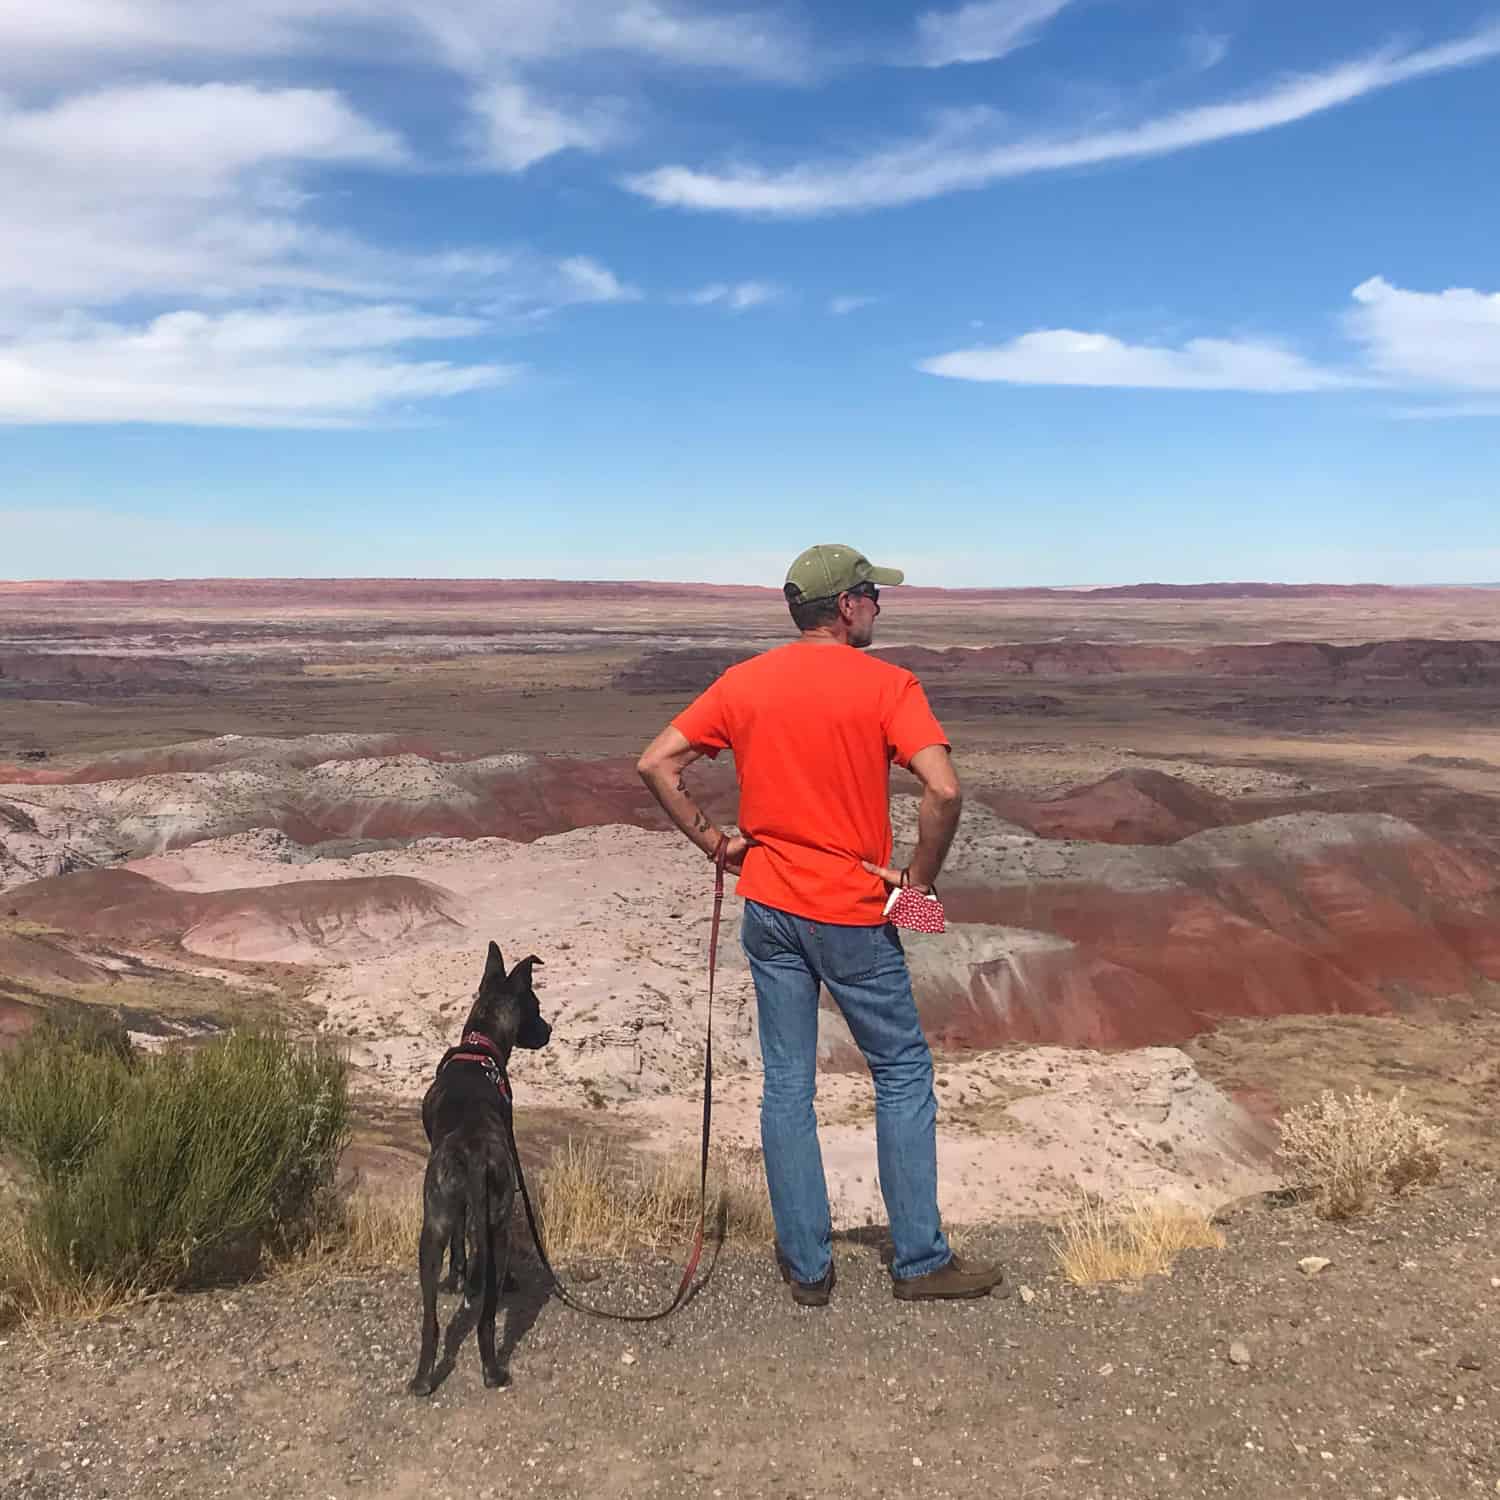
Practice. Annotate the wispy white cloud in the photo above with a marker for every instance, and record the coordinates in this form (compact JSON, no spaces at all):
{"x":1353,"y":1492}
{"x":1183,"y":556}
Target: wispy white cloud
{"x":981,"y":31}
{"x":196,"y":196}
{"x":518,"y":128}
{"x":202,"y":133}
{"x":1447,"y":412}
{"x":68,"y":37}
{"x":737,"y":296}
{"x":171,"y":189}
{"x":1407,"y":341}
{"x":958,"y":157}
{"x":1449,"y":338}
{"x":585,"y":280}
{"x":1063,"y":356}
{"x":841,"y":307}
{"x":277,"y":368}
{"x":1206,"y":49}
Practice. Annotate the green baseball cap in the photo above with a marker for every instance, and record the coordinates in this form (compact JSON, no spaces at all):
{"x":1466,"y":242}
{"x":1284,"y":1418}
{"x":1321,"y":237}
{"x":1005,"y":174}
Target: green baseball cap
{"x":830,"y":569}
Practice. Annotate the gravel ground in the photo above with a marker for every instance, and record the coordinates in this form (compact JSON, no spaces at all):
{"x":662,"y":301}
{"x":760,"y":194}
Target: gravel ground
{"x":1237,"y":1375}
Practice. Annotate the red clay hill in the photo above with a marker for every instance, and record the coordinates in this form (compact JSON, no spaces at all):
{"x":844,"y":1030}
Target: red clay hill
{"x":1136,"y":909}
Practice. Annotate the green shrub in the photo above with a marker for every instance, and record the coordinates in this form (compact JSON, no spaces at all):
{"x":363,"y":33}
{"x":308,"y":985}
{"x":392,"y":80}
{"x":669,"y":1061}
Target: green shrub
{"x":90,"y":1028}
{"x":58,"y":1092}
{"x":168,"y":1170}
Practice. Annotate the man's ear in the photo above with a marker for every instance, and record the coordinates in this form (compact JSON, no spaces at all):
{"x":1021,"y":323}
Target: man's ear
{"x":494,"y":965}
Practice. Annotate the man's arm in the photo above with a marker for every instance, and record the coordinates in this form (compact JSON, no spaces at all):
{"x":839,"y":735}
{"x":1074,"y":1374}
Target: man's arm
{"x":661,"y":767}
{"x":937,"y":819}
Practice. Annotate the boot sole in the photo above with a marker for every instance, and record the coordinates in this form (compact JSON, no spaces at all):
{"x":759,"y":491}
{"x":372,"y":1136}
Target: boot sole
{"x":816,"y":1295}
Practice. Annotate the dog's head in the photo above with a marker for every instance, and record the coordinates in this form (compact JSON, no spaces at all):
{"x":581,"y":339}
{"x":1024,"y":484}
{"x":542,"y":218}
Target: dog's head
{"x":505,"y":1007}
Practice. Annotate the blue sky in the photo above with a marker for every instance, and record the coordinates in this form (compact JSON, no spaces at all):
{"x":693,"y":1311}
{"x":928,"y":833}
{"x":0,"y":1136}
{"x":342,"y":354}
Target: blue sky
{"x":1007,"y":292}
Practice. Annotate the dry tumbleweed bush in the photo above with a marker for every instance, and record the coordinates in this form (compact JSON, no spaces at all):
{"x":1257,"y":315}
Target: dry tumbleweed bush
{"x":1344,"y":1149}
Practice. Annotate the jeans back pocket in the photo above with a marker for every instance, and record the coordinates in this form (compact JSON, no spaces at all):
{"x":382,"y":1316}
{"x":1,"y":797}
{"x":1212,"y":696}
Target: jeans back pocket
{"x":850,"y":953}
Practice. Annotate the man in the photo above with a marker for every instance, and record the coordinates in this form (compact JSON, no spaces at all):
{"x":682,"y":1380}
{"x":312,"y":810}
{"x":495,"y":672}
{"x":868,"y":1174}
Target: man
{"x":814,"y":726}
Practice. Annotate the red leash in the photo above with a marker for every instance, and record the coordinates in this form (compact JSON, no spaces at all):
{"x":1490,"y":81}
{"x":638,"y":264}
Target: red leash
{"x":691,"y":1268}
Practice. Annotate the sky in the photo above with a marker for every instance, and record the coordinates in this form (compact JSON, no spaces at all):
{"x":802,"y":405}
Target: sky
{"x":1010,"y":292}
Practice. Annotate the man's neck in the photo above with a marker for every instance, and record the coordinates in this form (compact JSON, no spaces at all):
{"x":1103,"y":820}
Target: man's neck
{"x":828,"y":635}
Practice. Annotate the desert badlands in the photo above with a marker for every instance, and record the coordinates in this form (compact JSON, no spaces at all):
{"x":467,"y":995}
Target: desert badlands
{"x":1195,"y":820}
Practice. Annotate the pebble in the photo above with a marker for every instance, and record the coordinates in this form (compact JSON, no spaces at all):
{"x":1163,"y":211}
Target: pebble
{"x":1027,"y":1295}
{"x":1239,"y":1353}
{"x":1310,"y":1265}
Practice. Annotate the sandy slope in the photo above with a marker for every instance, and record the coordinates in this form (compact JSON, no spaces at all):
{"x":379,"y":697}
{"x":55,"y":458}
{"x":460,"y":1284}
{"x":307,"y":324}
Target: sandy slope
{"x":620,"y":917}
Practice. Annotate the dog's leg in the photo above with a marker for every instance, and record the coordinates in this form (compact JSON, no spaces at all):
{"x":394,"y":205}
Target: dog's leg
{"x":458,"y":1260}
{"x":430,"y":1264}
{"x":496,"y":1275}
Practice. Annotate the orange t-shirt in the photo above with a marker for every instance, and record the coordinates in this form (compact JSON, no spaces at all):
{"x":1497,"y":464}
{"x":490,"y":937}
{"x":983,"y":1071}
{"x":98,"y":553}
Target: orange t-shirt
{"x":814,"y":728}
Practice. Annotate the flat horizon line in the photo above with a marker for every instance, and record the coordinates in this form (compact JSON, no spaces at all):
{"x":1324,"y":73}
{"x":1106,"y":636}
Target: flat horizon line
{"x":477,"y":581}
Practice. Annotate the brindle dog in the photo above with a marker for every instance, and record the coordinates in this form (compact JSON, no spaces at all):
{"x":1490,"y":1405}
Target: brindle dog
{"x":470,"y":1185}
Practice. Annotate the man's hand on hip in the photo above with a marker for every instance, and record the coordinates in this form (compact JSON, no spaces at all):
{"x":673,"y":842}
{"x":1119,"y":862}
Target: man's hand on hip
{"x":734,"y":857}
{"x":895,"y":877}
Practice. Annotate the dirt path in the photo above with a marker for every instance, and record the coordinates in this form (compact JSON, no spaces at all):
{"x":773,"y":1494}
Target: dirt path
{"x":1379,"y":1377}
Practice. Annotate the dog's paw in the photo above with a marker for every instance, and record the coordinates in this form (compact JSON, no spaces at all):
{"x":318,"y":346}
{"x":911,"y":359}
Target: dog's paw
{"x":419,"y":1385}
{"x":496,"y":1379}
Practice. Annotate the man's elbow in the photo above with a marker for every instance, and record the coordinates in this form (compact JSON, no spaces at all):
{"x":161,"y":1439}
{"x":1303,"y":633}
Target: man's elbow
{"x":947,"y":794}
{"x":647,"y":766}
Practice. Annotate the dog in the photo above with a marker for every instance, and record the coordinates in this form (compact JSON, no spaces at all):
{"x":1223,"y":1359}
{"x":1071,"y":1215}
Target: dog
{"x":470,"y":1185}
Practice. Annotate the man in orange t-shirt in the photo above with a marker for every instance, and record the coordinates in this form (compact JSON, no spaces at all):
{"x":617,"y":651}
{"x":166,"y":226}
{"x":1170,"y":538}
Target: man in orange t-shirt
{"x":814,"y":727}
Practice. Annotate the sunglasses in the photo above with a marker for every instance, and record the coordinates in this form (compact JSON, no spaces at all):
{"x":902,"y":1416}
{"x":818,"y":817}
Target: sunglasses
{"x":866,"y":591}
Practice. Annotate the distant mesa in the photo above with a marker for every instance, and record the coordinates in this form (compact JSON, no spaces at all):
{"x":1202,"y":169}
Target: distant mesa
{"x":684,"y":672}
{"x":45,"y":674}
{"x":1435,"y":663}
{"x":1246,"y":590}
{"x":1453,"y":762}
{"x":326,"y":789}
{"x":1134,"y":806}
{"x":295,"y":922}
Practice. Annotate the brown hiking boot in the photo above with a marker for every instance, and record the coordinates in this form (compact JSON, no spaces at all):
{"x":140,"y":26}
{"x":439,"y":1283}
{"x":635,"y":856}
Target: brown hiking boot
{"x":951,"y":1282}
{"x":806,"y":1293}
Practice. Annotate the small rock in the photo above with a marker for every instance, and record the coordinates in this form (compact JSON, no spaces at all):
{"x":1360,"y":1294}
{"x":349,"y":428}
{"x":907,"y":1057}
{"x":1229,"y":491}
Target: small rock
{"x":1239,"y":1353}
{"x":1310,"y":1265}
{"x":1470,"y":1362}
{"x":1027,"y":1295}
{"x":627,"y":1358}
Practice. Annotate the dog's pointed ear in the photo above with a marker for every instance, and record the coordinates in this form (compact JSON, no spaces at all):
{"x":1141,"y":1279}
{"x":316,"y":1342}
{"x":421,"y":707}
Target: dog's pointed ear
{"x":494,"y":965}
{"x":523,"y":969}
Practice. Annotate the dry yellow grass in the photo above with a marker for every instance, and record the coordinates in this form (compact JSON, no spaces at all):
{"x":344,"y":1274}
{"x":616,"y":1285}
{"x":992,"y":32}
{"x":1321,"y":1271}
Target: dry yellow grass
{"x":361,"y":1231}
{"x":594,"y":1203}
{"x":1128,"y":1241}
{"x":31,"y":1294}
{"x":591,"y":1202}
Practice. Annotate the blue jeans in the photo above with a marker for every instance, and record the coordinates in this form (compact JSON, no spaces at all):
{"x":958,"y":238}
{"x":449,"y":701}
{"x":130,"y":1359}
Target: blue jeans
{"x":865,"y":971}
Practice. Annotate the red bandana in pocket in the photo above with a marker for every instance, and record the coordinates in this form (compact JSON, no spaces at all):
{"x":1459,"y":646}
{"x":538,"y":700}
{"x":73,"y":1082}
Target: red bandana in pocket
{"x":914,"y":910}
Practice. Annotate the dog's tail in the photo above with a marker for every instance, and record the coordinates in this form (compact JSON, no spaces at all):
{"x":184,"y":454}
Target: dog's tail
{"x":477,"y":1225}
